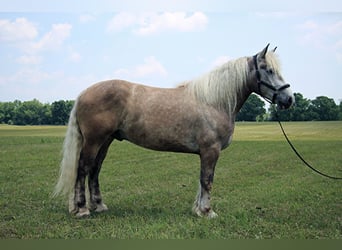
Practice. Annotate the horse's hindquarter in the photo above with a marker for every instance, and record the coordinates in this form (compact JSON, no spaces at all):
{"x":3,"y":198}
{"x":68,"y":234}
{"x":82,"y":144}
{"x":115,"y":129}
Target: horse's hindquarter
{"x":100,"y":108}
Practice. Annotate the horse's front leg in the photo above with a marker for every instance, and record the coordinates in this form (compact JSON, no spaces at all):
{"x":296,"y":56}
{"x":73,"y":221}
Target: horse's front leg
{"x":202,"y":206}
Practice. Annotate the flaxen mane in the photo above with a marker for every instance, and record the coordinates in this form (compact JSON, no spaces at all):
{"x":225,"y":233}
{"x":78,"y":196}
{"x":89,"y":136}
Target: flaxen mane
{"x":220,"y":86}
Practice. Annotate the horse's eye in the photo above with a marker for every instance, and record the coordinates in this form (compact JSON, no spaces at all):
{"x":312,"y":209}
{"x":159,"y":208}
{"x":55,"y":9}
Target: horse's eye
{"x":270,"y":71}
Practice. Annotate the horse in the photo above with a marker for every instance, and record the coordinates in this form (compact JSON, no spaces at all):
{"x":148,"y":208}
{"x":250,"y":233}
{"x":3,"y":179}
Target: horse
{"x":196,"y":117}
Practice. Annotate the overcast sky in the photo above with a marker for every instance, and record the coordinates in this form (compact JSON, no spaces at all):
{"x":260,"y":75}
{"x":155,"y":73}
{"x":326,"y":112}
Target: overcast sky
{"x":52,"y":52}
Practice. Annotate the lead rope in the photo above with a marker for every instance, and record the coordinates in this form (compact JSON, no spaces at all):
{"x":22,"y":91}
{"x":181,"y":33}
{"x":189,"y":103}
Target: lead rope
{"x":300,"y":157}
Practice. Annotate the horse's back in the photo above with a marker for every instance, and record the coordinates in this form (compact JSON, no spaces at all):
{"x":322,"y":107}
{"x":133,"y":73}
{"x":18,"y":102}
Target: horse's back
{"x":105,"y":92}
{"x":111,"y":100}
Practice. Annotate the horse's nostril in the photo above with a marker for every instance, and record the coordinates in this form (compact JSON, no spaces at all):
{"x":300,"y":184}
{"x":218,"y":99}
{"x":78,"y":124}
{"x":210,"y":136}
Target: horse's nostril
{"x":289,"y":101}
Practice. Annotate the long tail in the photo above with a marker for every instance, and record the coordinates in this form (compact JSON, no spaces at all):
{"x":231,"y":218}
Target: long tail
{"x":71,"y":153}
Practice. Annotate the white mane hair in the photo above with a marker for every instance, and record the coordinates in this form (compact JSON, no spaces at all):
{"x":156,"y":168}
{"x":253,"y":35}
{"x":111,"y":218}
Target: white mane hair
{"x":222,"y":86}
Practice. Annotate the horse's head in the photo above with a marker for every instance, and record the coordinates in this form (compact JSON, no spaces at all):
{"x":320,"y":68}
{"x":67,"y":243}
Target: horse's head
{"x":269,"y":82}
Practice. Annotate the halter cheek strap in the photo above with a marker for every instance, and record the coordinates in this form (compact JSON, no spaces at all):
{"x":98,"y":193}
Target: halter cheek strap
{"x":261,"y":82}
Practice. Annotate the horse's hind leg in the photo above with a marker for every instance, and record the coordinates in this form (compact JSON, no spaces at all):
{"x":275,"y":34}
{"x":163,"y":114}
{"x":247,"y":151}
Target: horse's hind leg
{"x":96,"y":203}
{"x":77,"y":203}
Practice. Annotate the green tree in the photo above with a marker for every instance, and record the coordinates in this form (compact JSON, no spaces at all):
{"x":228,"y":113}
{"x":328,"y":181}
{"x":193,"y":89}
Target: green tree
{"x":325,"y":108}
{"x":320,"y":109}
{"x":29,"y":113}
{"x":7,"y":111}
{"x":45,"y":114}
{"x":60,"y":111}
{"x":298,"y":112}
{"x":253,"y":108}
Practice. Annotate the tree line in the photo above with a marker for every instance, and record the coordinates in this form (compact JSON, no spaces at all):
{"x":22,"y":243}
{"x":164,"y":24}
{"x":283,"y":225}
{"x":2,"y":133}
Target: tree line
{"x":34,"y":112}
{"x":322,"y":108}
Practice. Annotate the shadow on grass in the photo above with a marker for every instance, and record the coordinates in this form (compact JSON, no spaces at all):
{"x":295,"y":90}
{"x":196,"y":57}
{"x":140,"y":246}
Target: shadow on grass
{"x":158,"y":212}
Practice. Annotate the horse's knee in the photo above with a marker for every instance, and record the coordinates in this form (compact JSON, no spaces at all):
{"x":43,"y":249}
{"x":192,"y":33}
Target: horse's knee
{"x":207,"y":183}
{"x":208,"y":162}
{"x":207,"y":178}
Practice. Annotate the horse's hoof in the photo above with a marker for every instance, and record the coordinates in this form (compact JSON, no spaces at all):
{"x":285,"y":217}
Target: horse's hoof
{"x":210,"y":214}
{"x":197,"y":211}
{"x":82,"y":212}
{"x":101,"y":208}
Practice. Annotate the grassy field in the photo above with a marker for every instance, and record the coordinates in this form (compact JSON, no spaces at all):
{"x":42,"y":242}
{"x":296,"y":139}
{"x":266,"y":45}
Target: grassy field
{"x":261,"y":189}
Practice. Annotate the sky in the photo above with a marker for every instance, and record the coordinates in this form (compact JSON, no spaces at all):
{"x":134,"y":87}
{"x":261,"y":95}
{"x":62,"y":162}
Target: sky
{"x":52,"y":50}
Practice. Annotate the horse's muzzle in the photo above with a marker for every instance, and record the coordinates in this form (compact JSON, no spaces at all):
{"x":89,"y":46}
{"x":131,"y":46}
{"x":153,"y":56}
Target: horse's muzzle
{"x":285,"y":103}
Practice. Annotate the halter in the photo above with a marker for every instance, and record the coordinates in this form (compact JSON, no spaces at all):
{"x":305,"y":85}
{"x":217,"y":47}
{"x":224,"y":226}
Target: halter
{"x":261,"y":82}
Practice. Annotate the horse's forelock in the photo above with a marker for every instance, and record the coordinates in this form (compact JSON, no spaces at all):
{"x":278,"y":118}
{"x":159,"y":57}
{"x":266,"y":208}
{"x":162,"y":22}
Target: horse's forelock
{"x":273,"y":62}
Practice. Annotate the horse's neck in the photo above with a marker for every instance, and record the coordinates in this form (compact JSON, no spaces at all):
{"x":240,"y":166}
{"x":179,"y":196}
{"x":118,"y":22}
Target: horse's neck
{"x":212,"y":88}
{"x":247,"y":91}
{"x":240,"y":101}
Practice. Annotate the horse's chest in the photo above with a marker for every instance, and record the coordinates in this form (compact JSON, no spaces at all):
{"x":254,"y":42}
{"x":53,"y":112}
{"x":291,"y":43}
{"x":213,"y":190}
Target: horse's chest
{"x":227,"y":142}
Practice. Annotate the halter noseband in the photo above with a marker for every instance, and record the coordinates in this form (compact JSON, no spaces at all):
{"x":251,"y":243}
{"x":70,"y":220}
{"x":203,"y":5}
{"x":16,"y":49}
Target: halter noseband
{"x":261,"y":82}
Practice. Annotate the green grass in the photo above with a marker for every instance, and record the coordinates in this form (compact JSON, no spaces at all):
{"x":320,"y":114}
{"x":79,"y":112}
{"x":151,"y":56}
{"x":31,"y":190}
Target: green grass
{"x":261,"y":189}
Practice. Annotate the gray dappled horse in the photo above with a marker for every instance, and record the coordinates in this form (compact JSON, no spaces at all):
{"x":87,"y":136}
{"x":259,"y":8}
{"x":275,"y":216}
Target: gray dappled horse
{"x":196,"y":117}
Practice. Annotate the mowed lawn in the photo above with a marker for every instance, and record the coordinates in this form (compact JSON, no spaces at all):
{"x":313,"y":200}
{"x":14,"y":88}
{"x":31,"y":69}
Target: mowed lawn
{"x":261,"y":189}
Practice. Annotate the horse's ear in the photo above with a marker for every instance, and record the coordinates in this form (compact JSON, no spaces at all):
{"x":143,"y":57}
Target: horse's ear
{"x":275,"y":48}
{"x":262,"y":54}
